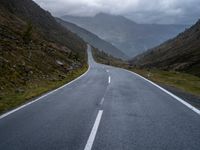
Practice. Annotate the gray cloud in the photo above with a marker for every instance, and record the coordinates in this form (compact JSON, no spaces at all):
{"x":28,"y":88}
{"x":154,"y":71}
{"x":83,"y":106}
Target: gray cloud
{"x":143,"y":11}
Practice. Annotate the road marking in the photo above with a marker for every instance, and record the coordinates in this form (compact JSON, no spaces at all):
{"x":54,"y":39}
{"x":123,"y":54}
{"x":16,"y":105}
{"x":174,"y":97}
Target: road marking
{"x":45,"y":95}
{"x":109,"y":79}
{"x":93,"y":133}
{"x":102,"y":100}
{"x":169,"y":93}
{"x":107,"y":70}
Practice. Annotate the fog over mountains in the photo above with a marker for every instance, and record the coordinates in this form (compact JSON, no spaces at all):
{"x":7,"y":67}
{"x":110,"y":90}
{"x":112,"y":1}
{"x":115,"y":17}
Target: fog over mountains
{"x":128,"y":36}
{"x":93,"y":39}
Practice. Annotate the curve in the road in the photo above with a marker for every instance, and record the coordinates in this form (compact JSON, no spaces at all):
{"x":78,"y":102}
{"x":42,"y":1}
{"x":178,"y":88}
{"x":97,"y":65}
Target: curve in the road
{"x":106,"y":108}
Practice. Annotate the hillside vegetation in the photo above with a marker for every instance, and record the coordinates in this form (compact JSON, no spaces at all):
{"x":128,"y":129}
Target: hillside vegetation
{"x":36,"y":53}
{"x":104,"y":58}
{"x":179,"y":54}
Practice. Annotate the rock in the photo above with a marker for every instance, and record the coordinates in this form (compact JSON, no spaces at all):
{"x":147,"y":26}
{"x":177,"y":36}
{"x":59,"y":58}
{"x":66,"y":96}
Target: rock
{"x":19,"y":90}
{"x":61,"y":76}
{"x":69,"y":68}
{"x":59,"y":62}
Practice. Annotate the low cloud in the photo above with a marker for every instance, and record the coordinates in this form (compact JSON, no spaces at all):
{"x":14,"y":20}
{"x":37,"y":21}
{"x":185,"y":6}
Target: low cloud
{"x":143,"y":11}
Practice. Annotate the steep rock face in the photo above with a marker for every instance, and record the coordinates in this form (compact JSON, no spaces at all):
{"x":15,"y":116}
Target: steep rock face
{"x":128,"y":36}
{"x":181,"y":53}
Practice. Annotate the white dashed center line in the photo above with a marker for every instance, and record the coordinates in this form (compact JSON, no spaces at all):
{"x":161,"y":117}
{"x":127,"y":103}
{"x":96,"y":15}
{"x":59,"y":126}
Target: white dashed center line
{"x":102,"y":100}
{"x":92,"y":136}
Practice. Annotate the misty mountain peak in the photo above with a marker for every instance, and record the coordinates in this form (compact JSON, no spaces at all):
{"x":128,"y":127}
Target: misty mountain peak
{"x":111,"y":17}
{"x":130,"y":37}
{"x":105,"y":15}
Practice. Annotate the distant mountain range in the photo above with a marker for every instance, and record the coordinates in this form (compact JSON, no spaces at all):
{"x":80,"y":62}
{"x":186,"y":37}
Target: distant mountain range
{"x":181,"y":53}
{"x":93,"y":39}
{"x":128,"y":36}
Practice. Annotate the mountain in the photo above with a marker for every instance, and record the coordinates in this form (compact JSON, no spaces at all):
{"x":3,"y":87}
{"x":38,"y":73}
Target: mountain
{"x":93,"y":39}
{"x":36,"y":53}
{"x":29,"y":12}
{"x":130,"y":37}
{"x":181,"y":53}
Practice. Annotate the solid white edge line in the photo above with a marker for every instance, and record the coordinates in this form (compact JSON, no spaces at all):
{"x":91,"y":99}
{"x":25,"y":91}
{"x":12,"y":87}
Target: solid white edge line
{"x":109,"y":79}
{"x":92,"y":136}
{"x":169,"y":93}
{"x":45,"y":95}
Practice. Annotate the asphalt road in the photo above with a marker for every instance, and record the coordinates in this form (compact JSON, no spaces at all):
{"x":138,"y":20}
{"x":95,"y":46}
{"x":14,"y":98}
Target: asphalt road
{"x":106,"y":109}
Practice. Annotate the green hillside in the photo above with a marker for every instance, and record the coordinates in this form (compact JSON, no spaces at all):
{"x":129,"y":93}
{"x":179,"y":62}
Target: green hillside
{"x":36,"y":53}
{"x":179,"y":54}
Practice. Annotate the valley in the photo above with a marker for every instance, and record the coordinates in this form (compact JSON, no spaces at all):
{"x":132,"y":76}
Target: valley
{"x":128,"y":36}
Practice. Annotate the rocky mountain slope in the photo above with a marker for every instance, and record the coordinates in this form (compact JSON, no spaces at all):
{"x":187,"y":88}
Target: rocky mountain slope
{"x":36,"y":52}
{"x":93,"y":39}
{"x":128,"y":36}
{"x":181,"y":53}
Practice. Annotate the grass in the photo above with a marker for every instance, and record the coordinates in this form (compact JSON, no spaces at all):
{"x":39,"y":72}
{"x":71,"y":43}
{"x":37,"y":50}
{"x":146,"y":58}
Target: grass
{"x":106,"y":59}
{"x":183,"y":81}
{"x":33,"y":62}
{"x":11,"y":99}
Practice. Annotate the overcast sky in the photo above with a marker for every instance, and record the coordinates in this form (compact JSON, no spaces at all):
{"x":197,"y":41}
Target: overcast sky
{"x":141,"y":11}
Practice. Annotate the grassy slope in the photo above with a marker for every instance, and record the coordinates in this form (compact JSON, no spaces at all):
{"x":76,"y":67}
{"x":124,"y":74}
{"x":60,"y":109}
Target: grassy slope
{"x":104,"y":58}
{"x":13,"y":98}
{"x":31,"y":62}
{"x":180,"y":54}
{"x":185,"y":82}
